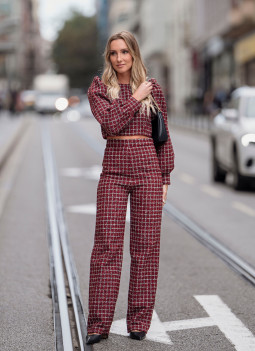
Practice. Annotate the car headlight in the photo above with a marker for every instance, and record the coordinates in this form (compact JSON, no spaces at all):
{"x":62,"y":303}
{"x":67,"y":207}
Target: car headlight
{"x":61,"y":104}
{"x":248,"y":139}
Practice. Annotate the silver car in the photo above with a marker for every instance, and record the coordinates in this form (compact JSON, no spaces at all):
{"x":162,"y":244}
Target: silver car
{"x":233,"y":139}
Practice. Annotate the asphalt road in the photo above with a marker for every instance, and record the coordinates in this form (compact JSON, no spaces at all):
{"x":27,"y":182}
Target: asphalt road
{"x":227,"y":214}
{"x":201,"y":303}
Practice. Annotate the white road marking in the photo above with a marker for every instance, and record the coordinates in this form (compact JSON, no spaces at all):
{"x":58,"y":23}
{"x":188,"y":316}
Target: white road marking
{"x":91,"y":209}
{"x":243,"y":208}
{"x":229,"y":324}
{"x":156,"y":333}
{"x":186,"y":178}
{"x":209,"y":190}
{"x":220,"y":315}
{"x":92,"y":172}
{"x":189,"y":324}
{"x":85,"y":209}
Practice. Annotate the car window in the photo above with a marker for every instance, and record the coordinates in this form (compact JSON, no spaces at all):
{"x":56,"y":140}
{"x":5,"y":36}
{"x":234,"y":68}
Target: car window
{"x":250,"y":107}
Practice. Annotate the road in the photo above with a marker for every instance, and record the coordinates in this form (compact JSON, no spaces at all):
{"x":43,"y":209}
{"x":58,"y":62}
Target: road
{"x":202,"y":304}
{"x":225,"y":213}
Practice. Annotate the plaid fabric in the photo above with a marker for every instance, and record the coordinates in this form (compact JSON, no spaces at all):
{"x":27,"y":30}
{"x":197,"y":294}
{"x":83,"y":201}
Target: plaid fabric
{"x":122,"y":116}
{"x":130,"y":167}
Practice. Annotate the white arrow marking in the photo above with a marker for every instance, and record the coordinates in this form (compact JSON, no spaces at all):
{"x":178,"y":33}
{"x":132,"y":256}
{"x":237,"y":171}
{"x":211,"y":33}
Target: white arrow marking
{"x":220,"y":316}
{"x":229,"y":324}
{"x":156,"y":333}
{"x":189,"y":324}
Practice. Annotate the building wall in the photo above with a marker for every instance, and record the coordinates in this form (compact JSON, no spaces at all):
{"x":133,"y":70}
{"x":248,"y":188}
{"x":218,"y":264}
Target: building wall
{"x":121,"y":15}
{"x":209,"y":19}
{"x":191,"y":46}
{"x":179,"y":54}
{"x":19,"y":43}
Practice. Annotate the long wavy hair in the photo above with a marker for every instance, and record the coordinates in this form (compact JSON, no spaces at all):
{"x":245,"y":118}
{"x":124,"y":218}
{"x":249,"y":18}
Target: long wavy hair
{"x":138,"y":70}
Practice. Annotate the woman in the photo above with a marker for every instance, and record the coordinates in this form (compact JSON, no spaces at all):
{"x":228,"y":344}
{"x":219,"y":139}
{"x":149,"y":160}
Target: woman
{"x":122,"y":102}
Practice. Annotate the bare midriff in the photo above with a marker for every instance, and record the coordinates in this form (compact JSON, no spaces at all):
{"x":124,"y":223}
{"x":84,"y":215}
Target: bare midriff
{"x":127,"y":137}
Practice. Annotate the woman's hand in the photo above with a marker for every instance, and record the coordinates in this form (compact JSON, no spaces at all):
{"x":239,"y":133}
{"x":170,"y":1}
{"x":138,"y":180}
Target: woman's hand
{"x":165,"y":188}
{"x":143,"y":91}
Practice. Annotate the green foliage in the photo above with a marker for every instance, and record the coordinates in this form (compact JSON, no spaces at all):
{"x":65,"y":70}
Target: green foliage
{"x":75,"y":51}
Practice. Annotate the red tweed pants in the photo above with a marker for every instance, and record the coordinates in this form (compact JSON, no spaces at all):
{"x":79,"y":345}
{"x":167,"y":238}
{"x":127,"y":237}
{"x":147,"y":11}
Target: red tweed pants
{"x":130,"y":167}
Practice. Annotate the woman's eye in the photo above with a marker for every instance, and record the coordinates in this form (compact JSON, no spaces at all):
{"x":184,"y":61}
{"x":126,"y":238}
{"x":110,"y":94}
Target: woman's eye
{"x":112,"y":53}
{"x":125,"y":51}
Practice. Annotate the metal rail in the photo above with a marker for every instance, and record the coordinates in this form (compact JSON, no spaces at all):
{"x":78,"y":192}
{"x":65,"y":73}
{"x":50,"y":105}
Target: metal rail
{"x":228,"y":256}
{"x":61,"y":260}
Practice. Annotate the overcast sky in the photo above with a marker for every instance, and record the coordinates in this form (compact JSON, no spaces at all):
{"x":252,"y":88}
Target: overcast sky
{"x":52,"y":14}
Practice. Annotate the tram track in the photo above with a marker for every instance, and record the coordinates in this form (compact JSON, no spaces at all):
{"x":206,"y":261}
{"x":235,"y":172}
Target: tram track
{"x":68,"y":312}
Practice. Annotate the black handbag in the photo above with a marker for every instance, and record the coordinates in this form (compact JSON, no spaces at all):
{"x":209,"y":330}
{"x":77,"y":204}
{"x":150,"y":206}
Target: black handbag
{"x":159,"y":132}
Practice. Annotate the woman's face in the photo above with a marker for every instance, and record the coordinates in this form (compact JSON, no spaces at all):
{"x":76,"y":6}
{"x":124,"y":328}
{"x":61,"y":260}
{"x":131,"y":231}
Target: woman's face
{"x":120,"y":57}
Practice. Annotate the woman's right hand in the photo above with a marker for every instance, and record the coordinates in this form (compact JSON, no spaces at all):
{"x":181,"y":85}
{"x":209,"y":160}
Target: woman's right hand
{"x":143,"y":91}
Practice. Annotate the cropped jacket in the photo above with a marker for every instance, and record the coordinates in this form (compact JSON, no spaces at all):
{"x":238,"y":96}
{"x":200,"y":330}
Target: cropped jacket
{"x":122,"y":116}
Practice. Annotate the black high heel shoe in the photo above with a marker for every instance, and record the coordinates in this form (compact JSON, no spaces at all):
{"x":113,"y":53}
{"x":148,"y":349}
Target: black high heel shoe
{"x":94,"y":338}
{"x":137,"y":335}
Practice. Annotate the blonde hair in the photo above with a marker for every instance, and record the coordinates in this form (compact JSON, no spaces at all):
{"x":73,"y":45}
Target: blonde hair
{"x":138,"y":70}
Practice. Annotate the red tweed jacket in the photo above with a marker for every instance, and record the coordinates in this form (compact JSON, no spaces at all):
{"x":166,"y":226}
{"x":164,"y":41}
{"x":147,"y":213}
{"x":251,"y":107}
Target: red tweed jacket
{"x":121,"y":116}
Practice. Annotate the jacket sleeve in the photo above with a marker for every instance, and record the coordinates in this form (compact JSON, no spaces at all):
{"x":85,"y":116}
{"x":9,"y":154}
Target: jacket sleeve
{"x":164,"y":150}
{"x":113,"y":115}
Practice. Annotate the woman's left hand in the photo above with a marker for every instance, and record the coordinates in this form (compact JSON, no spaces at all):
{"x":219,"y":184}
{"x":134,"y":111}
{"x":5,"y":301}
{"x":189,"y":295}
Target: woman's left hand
{"x":165,"y":187}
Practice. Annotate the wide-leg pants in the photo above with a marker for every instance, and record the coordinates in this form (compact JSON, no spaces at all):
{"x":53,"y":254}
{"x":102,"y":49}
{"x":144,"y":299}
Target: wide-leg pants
{"x":130,"y":167}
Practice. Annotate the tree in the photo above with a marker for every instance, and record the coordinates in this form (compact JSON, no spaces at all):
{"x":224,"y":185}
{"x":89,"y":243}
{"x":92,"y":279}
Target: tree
{"x":75,"y":51}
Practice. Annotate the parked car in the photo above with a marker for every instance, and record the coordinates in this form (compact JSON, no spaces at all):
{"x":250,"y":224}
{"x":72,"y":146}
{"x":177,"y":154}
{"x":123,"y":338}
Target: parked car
{"x":233,"y":139}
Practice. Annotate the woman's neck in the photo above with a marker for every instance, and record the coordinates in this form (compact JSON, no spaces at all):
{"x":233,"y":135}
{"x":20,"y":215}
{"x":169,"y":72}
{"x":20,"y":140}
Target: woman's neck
{"x":124,"y":78}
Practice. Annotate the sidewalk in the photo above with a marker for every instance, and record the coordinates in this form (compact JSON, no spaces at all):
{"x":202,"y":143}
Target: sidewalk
{"x":11,"y":128}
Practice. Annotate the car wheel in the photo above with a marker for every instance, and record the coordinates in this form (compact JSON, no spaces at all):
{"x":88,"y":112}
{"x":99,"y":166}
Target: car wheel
{"x":218,"y":174}
{"x":238,"y":181}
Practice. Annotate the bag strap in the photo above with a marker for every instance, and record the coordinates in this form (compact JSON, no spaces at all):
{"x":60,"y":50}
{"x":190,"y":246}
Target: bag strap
{"x":155,"y":103}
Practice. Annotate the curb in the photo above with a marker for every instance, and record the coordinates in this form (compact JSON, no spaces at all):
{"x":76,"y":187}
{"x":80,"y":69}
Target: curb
{"x":8,"y":148}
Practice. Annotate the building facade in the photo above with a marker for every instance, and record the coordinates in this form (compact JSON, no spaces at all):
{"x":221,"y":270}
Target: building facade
{"x":223,"y":39}
{"x":194,"y":48}
{"x":19,"y":44}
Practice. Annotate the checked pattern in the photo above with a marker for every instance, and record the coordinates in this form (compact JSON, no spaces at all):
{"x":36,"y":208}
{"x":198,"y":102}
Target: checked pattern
{"x":121,"y":116}
{"x":130,"y":168}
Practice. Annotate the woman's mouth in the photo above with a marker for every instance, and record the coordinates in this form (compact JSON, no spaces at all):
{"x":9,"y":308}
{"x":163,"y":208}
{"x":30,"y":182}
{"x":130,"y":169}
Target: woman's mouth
{"x":120,"y":65}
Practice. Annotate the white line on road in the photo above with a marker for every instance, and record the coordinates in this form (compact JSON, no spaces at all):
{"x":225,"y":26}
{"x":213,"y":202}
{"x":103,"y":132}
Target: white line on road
{"x":84,"y":209}
{"x":189,"y":324}
{"x":229,"y":324}
{"x":156,"y":333}
{"x":186,"y":178}
{"x":92,"y":172}
{"x":209,"y":190}
{"x":243,"y":208}
{"x":91,"y":209}
{"x":220,"y":315}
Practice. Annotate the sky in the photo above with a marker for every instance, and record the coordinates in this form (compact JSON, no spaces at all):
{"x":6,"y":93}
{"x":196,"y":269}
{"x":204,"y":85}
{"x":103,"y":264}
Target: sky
{"x":52,"y":14}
